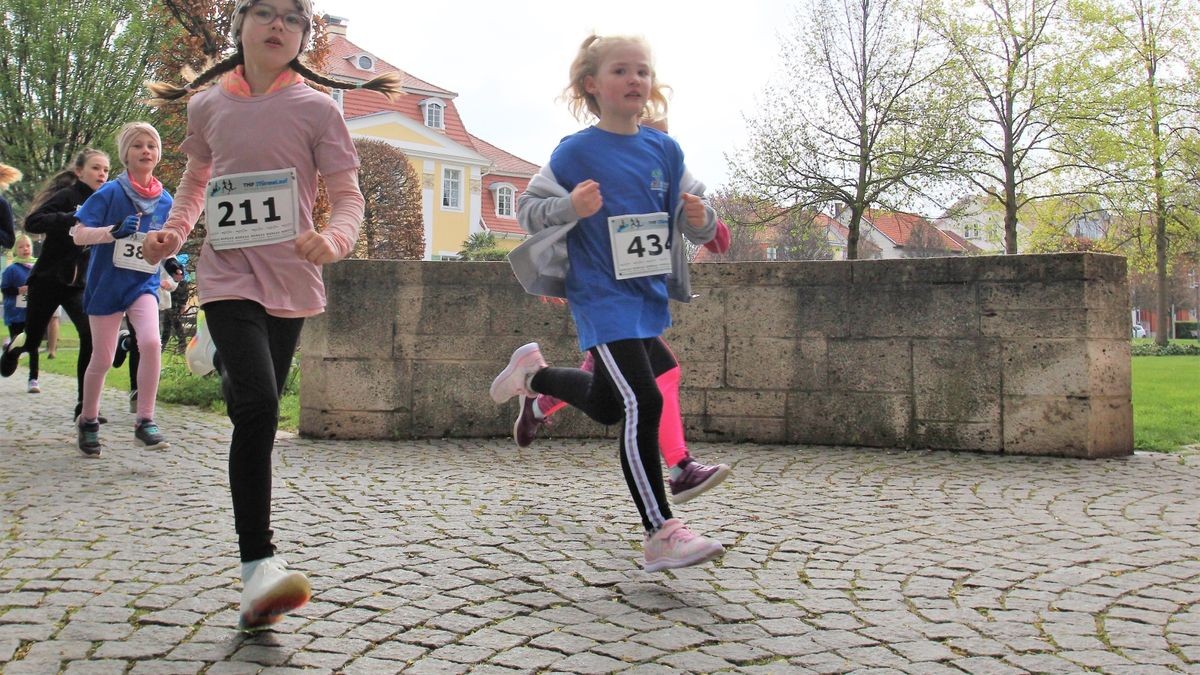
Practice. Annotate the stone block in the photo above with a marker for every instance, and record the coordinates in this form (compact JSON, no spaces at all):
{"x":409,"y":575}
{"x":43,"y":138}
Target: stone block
{"x":761,"y":311}
{"x":882,"y":365}
{"x":450,"y":400}
{"x":747,"y":404}
{"x":1046,"y":425}
{"x":956,"y":380}
{"x":776,"y":363}
{"x":979,"y":436}
{"x":914,"y":310}
{"x":1110,"y":426}
{"x":454,"y":310}
{"x":1045,"y":367}
{"x":513,"y":312}
{"x":377,"y":385}
{"x":354,"y":424}
{"x":849,"y":418}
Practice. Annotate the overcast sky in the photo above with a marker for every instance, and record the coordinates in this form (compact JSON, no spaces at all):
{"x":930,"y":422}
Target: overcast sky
{"x":509,"y":66}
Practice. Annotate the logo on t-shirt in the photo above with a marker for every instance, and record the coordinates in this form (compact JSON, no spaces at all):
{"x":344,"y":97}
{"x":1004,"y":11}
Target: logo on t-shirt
{"x":656,"y":181}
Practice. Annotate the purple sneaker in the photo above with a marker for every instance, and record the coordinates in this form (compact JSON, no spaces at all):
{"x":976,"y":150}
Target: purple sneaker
{"x":525,"y":429}
{"x":696,"y":479}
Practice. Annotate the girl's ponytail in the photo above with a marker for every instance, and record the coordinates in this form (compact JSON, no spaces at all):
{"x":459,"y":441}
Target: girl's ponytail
{"x":164,"y":92}
{"x":388,"y":84}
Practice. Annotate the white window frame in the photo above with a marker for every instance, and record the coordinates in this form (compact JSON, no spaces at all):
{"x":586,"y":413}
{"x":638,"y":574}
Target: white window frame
{"x":505,"y":194}
{"x":452,"y":187}
{"x":358,"y":60}
{"x":338,"y":97}
{"x":429,"y":109}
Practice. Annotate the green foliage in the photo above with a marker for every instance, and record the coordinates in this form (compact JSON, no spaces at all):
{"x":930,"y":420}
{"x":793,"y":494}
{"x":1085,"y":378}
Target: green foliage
{"x":481,"y":246}
{"x":392,"y":228}
{"x":1148,"y":348}
{"x":70,"y":75}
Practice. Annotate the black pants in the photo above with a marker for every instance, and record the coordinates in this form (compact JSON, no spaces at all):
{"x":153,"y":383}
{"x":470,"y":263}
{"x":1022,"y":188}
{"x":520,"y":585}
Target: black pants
{"x":45,"y":297}
{"x":16,"y":329}
{"x":256,"y":354}
{"x":623,"y":387}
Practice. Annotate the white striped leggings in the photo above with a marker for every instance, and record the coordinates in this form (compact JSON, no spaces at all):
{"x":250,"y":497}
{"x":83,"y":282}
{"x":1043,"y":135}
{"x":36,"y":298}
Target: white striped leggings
{"x":623,"y":388}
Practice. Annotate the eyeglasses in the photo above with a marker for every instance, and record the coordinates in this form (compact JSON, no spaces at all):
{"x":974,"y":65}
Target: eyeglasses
{"x":264,"y":15}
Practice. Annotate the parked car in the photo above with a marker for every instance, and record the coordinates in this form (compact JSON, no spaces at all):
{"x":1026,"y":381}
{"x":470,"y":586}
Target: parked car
{"x":1138,"y":331}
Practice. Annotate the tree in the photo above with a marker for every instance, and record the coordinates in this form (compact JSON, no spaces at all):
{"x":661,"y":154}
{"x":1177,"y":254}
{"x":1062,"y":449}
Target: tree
{"x":70,"y":75}
{"x":868,"y":113}
{"x":1142,"y":132}
{"x":756,"y":228}
{"x":481,"y":246}
{"x":1021,"y":81}
{"x":392,"y":227}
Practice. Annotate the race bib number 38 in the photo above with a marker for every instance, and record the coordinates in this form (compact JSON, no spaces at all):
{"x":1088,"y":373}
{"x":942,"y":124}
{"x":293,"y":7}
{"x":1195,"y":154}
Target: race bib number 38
{"x":251,"y":209}
{"x":127,"y":254}
{"x":639,"y":245}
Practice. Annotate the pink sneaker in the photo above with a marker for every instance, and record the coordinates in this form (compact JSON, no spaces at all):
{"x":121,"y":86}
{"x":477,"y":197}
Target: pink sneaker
{"x":675,"y":546}
{"x":514,"y":379}
{"x":695,"y":480}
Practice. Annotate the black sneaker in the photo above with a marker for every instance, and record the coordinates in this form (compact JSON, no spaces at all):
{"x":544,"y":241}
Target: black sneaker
{"x":79,"y":411}
{"x":11,"y":356}
{"x":122,"y":349}
{"x":89,"y":439}
{"x":147,"y":434}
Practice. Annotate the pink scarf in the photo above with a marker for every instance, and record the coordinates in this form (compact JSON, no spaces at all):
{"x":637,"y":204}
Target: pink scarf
{"x":151,"y":190}
{"x":235,"y":82}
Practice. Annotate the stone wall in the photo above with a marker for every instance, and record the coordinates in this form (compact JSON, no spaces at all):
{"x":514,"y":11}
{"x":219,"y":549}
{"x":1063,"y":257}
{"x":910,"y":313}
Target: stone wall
{"x":1020,"y":354}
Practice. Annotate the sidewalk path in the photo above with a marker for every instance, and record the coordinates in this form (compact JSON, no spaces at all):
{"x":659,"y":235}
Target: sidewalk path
{"x":472,"y":556}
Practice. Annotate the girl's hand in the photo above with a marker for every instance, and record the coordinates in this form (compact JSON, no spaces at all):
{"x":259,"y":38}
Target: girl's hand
{"x":160,"y":244}
{"x":586,"y":199}
{"x":22,"y":290}
{"x":693,"y":208}
{"x":315,"y":248}
{"x":126,"y":227}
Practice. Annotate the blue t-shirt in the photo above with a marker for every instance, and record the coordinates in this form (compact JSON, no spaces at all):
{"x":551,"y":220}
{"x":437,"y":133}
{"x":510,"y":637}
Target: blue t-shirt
{"x":15,"y":276}
{"x":111,"y":289}
{"x":637,"y":173}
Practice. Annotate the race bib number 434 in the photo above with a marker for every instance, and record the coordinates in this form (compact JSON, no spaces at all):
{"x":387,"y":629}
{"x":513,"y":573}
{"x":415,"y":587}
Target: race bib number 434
{"x":640,"y":244}
{"x":251,"y":209}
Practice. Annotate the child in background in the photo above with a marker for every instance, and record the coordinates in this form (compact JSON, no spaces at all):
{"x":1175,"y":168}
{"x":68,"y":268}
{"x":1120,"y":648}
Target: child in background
{"x":259,"y":280}
{"x":14,"y":285}
{"x":619,"y":248}
{"x":58,"y":276}
{"x":114,"y":222}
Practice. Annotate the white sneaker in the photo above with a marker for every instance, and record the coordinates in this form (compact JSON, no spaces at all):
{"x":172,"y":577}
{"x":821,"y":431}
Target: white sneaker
{"x":269,"y":592}
{"x":514,"y":379}
{"x":674,"y":546}
{"x":33,"y":387}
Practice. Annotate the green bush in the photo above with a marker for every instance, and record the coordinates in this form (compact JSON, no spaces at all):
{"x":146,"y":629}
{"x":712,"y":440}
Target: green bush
{"x":1172,"y":349}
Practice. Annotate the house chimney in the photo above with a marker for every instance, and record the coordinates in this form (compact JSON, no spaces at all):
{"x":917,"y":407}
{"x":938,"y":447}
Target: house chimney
{"x":335,"y":25}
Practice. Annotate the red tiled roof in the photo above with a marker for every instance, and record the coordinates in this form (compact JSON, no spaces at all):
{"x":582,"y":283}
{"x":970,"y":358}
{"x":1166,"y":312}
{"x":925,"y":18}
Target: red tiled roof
{"x":504,"y":162}
{"x":899,"y":227}
{"x":957,"y":242}
{"x":341,"y":65}
{"x":487,"y":204}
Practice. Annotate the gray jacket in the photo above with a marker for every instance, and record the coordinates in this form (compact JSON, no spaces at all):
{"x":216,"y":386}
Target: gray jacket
{"x":545,"y":211}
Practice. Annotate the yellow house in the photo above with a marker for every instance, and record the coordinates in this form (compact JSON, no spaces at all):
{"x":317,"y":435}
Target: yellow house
{"x":468,"y":185}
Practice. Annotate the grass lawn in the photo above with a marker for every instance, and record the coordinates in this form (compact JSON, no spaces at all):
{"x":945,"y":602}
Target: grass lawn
{"x":1166,"y":401}
{"x":1166,"y":393}
{"x":176,"y":384}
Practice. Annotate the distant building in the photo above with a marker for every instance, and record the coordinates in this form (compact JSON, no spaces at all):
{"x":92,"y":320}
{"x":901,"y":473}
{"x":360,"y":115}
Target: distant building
{"x":468,"y":185}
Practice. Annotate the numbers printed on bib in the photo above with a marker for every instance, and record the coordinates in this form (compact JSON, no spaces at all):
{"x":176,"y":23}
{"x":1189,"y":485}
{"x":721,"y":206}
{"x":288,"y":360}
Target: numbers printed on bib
{"x":640,"y":245}
{"x":251,"y":209}
{"x":127,"y":254}
{"x":22,"y":300}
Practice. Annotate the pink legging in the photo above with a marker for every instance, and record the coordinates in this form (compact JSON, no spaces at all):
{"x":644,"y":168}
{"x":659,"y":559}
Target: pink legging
{"x":671,"y":443}
{"x":143,"y":314}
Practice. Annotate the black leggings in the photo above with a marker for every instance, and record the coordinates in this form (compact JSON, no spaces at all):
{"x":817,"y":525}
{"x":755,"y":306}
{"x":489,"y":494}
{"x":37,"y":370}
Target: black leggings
{"x":16,"y":329}
{"x":256,"y":354}
{"x":45,"y":297}
{"x":624,"y":387}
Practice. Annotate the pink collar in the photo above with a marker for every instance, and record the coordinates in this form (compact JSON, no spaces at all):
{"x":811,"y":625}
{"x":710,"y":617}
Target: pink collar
{"x":235,"y":82}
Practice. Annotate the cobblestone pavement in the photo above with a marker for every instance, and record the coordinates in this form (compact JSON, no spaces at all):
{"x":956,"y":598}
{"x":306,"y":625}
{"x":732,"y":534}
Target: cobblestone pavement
{"x":472,"y":556}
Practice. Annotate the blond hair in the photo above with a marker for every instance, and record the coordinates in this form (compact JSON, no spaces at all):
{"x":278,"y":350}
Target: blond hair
{"x":129,"y":133}
{"x":591,"y":54}
{"x":8,"y":176}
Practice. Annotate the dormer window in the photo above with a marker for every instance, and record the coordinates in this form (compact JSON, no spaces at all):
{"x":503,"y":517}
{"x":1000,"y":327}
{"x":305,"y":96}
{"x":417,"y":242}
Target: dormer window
{"x":434,"y":110}
{"x":365,"y":62}
{"x":504,"y":195}
{"x":338,"y":96}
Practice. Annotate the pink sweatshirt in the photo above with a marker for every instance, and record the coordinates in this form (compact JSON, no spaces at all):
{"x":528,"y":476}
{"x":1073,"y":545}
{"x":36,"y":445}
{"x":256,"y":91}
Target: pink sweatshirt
{"x":294,"y":127}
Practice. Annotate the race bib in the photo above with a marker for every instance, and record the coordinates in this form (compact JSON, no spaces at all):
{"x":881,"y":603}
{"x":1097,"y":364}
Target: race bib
{"x":127,"y":254}
{"x":22,"y":300}
{"x":640,"y":245}
{"x":251,"y":209}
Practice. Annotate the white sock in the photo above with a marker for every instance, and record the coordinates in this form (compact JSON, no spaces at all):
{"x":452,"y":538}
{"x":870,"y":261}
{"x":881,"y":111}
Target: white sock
{"x":537,"y":412}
